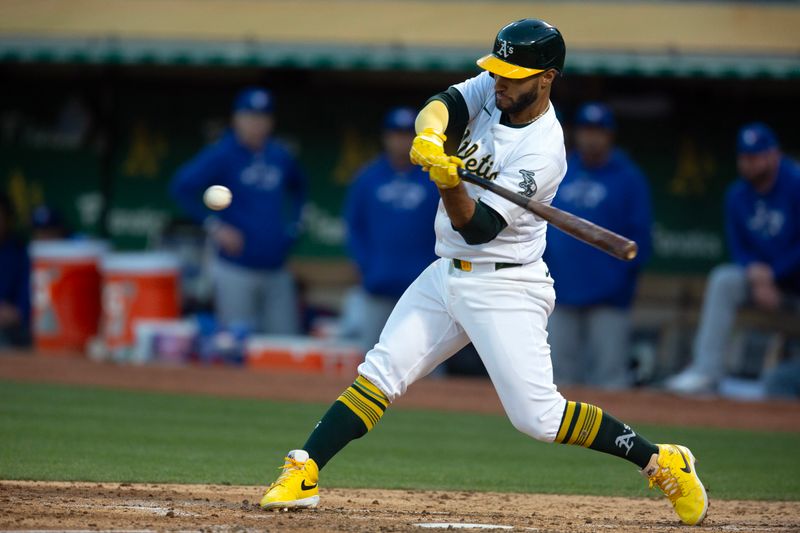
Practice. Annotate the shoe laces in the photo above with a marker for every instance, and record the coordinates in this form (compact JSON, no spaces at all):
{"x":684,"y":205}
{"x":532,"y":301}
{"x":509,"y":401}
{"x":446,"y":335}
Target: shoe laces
{"x":290,"y":468}
{"x":668,"y":483}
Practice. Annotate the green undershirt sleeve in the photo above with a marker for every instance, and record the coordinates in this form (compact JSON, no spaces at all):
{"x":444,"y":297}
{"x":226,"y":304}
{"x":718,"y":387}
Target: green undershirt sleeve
{"x":456,"y":107}
{"x":484,"y":225}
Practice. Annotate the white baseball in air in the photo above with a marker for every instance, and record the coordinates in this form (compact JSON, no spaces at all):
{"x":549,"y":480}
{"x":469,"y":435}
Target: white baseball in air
{"x":217,"y":197}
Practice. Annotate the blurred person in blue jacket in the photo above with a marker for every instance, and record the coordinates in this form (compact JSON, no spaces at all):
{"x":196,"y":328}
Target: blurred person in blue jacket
{"x":389,"y":212}
{"x":589,"y":331}
{"x":762,"y":224}
{"x":254,"y":235}
{"x":48,"y":224}
{"x":15,"y":303}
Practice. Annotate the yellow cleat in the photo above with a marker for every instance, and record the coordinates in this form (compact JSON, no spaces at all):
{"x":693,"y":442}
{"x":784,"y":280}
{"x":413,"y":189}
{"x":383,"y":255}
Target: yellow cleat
{"x":673,"y":471}
{"x":296,"y":487}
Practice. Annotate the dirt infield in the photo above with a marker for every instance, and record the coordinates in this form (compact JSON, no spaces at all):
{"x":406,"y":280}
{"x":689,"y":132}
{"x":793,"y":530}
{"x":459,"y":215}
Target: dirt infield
{"x":112,"y":506}
{"x":470,"y":395}
{"x":94,"y":506}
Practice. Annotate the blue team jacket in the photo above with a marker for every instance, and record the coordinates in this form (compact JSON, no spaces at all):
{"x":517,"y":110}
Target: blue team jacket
{"x":390,"y":233}
{"x":766,"y":228}
{"x":15,"y":271}
{"x":268,"y":193}
{"x":617,"y":197}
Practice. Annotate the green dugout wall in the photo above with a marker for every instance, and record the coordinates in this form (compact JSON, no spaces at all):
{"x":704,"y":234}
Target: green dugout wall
{"x":74,"y":135}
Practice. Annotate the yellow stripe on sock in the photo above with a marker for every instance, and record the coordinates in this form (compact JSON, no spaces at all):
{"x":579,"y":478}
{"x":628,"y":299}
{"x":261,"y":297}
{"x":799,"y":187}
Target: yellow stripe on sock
{"x":578,"y":425}
{"x":565,"y":422}
{"x":361,"y":405}
{"x":595,"y":428}
{"x":367,"y":422}
{"x":580,"y":433}
{"x":378,"y":402}
{"x":375,"y":410}
{"x":591,"y":415}
{"x":365,"y":400}
{"x":377,"y":394}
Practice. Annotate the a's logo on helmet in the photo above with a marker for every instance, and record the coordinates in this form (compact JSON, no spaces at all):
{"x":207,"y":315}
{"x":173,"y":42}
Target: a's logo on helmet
{"x":505,"y":49}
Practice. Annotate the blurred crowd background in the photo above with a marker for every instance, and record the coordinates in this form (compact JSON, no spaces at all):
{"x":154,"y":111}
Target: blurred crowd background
{"x":115,"y":117}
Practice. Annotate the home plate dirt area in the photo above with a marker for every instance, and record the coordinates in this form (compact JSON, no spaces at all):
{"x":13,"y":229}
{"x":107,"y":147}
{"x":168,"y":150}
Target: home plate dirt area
{"x":150,"y":507}
{"x":81,"y":506}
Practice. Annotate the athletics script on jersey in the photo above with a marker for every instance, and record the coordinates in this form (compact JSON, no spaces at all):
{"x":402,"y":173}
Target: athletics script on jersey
{"x":483,"y":167}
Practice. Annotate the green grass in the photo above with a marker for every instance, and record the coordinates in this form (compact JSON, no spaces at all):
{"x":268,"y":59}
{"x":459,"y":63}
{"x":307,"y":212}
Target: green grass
{"x":52,"y":432}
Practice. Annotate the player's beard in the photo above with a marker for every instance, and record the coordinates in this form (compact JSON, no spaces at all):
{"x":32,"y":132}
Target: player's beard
{"x":761,"y":179}
{"x":520,"y":104}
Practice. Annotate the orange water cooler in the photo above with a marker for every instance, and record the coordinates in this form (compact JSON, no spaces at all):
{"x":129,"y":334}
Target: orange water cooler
{"x":65,"y":288}
{"x":137,"y":286}
{"x":302,"y":354}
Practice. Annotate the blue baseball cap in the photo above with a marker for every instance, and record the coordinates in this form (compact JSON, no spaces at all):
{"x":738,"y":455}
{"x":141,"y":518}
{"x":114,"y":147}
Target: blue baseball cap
{"x":44,"y":216}
{"x":595,"y":114}
{"x":755,"y":138}
{"x":400,"y":118}
{"x":254,"y":100}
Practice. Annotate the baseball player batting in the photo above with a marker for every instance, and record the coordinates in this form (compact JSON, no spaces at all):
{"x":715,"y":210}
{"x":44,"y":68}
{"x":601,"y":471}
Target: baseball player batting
{"x":489,"y":285}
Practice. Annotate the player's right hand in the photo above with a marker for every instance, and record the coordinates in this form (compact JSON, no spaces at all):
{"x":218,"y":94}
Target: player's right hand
{"x":229,"y":239}
{"x":444,"y":171}
{"x":427,"y":147}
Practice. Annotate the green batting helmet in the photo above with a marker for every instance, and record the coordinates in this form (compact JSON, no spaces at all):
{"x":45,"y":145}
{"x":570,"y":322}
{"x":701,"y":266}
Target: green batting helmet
{"x":524,"y":48}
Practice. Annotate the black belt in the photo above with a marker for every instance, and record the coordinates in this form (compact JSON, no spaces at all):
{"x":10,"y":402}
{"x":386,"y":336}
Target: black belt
{"x":466,"y":266}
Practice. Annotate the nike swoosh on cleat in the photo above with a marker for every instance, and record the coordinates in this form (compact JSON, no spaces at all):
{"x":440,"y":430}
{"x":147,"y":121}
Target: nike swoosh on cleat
{"x":303,"y":485}
{"x":686,"y":467}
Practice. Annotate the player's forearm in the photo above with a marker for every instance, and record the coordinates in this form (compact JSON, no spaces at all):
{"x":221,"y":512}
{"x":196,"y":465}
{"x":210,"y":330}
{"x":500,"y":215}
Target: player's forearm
{"x":433,"y":116}
{"x":458,"y":204}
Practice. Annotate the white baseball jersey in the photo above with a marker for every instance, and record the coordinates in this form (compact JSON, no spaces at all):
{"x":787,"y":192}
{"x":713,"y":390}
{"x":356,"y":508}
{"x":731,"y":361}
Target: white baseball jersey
{"x":530,"y":160}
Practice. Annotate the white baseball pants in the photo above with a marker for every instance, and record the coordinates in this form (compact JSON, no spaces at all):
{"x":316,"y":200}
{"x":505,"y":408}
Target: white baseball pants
{"x":504,"y":313}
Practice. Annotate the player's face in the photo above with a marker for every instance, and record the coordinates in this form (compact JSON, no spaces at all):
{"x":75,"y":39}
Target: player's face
{"x":758,"y":167}
{"x":398,"y":144}
{"x":252,"y":129}
{"x":593,"y":144}
{"x":513,"y":96}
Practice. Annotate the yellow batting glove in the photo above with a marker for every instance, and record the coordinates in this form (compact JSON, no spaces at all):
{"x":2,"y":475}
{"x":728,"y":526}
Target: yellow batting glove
{"x":427,"y":146}
{"x":444,"y":171}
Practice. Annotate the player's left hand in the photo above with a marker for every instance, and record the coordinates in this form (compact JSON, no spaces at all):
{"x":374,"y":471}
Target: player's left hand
{"x":760,"y":274}
{"x":767,"y":297}
{"x":444,"y":171}
{"x":229,"y":239}
{"x":9,"y":315}
{"x":427,"y":147}
{"x":763,"y":290}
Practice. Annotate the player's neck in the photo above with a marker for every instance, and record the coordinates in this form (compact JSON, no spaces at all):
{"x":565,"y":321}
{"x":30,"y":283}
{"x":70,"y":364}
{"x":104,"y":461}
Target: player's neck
{"x":533,"y":112}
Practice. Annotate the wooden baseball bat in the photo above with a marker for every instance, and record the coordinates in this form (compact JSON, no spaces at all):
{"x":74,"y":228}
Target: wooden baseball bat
{"x":588,"y":232}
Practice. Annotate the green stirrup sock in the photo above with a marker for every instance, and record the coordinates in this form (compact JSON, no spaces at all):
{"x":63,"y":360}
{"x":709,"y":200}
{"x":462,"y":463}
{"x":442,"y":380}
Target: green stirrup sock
{"x":587,"y":425}
{"x":350,"y":417}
